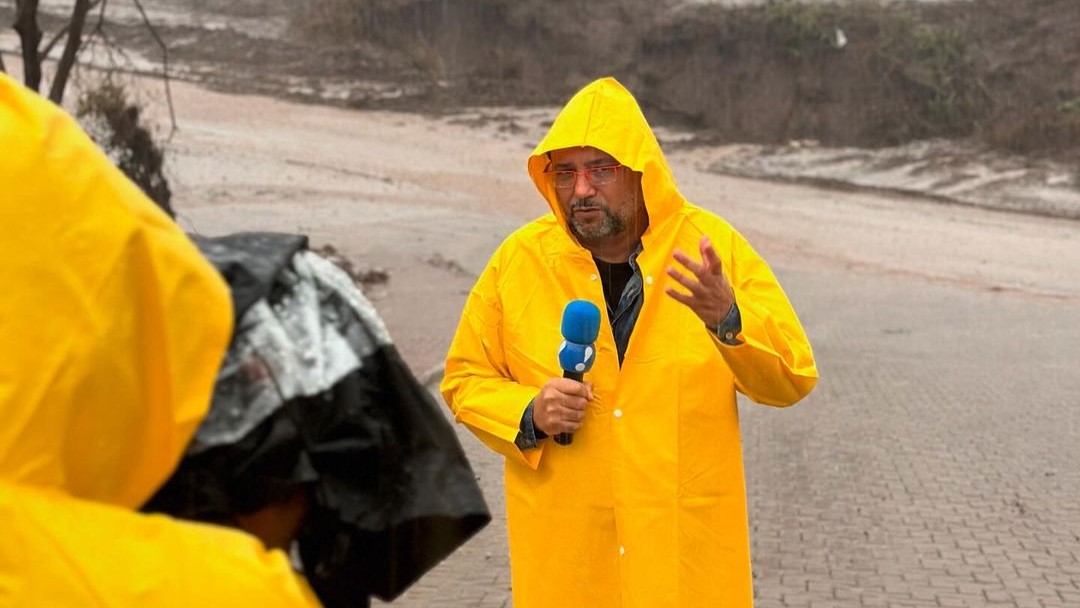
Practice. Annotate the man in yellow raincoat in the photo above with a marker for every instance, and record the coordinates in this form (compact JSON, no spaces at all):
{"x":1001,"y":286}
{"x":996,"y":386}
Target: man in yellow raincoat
{"x":647,"y":506}
{"x":112,"y":329}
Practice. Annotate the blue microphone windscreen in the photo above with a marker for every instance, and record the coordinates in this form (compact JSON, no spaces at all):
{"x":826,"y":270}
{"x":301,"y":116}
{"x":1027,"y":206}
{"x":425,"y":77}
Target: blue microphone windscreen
{"x":581,"y":322}
{"x":574,"y":357}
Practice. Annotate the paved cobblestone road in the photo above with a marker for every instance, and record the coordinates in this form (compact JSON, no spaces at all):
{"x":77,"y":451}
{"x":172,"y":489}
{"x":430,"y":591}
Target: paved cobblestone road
{"x":935,"y":464}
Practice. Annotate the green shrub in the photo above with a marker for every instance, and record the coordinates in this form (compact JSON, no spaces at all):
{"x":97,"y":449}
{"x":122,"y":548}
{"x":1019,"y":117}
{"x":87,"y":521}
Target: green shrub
{"x":113,"y":122}
{"x":932,"y":63}
{"x":797,"y":27}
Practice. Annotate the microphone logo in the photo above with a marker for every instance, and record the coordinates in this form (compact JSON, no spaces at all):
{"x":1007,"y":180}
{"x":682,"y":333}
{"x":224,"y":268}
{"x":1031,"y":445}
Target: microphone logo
{"x":576,"y":357}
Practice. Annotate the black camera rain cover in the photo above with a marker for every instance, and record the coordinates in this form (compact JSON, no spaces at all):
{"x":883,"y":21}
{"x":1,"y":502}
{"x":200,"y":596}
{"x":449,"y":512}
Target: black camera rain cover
{"x":392,"y":493}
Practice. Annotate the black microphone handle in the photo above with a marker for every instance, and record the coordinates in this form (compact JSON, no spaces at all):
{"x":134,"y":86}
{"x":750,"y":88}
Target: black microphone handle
{"x":568,"y":438}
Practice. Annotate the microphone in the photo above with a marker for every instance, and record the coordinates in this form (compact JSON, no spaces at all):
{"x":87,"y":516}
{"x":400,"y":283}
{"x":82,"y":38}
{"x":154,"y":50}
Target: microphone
{"x":580,"y":326}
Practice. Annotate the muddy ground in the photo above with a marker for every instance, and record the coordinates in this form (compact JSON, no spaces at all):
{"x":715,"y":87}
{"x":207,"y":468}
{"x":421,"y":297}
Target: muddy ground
{"x":976,"y":102}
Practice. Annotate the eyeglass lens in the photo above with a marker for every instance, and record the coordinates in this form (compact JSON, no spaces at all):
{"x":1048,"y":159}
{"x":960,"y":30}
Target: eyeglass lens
{"x":596,"y":176}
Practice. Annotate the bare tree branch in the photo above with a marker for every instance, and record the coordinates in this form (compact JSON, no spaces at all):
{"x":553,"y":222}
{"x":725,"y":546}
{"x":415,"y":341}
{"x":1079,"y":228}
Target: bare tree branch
{"x":45,"y":50}
{"x":164,"y":64}
{"x":98,"y":30}
{"x":71,"y":50}
{"x":101,"y":16}
{"x":99,"y":27}
{"x":30,"y":37}
{"x":111,"y":48}
{"x":63,"y":31}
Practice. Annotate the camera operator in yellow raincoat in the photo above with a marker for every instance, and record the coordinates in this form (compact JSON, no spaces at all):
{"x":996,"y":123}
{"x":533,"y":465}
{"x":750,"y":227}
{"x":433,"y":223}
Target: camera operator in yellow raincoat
{"x":112,"y":329}
{"x":647,"y":506}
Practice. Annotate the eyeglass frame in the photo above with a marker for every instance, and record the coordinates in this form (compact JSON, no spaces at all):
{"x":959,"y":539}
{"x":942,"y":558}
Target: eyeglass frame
{"x":551,"y":175}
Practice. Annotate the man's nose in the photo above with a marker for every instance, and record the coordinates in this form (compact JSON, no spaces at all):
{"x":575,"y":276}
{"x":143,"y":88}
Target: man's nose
{"x":583,"y":188}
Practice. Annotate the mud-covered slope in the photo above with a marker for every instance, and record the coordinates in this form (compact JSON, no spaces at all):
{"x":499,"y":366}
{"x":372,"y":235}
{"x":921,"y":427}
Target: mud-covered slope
{"x":855,"y":73}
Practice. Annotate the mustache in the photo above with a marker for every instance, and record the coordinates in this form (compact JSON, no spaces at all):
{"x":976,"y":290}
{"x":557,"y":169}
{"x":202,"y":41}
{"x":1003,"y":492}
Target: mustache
{"x":585,"y":204}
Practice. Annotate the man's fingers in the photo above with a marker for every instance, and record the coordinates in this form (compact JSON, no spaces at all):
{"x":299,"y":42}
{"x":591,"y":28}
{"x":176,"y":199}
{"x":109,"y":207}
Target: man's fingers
{"x":572,"y":388}
{"x":569,"y":415}
{"x":679,"y":296}
{"x":690,"y":264}
{"x":709,"y":256}
{"x":567,"y":393}
{"x":569,"y":426}
{"x":563,"y":418}
{"x":710,"y":266}
{"x":691,"y":285}
{"x":560,"y":406}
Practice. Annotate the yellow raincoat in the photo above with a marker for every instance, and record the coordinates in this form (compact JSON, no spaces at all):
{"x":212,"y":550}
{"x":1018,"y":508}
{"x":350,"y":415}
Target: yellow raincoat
{"x":112,"y":328}
{"x":647,"y":507}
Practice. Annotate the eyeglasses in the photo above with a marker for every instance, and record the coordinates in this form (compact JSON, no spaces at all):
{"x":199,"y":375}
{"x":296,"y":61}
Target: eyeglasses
{"x":597,"y":176}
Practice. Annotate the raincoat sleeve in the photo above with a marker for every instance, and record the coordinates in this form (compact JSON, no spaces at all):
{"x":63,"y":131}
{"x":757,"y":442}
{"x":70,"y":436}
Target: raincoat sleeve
{"x":477,"y":384}
{"x":774,"y":365}
{"x":62,"y":551}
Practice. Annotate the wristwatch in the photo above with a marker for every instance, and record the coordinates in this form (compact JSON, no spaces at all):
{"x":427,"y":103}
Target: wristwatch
{"x":728,"y":329}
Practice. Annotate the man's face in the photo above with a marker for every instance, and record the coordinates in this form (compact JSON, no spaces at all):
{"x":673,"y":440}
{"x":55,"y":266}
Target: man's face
{"x":599,"y":213}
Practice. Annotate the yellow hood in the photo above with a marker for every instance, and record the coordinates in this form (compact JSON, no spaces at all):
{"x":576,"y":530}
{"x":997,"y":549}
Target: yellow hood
{"x":112,"y":325}
{"x":604,"y":115}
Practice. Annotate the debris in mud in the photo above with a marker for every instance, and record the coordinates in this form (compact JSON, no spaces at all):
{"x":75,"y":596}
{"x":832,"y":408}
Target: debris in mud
{"x":438,"y":261}
{"x":364,"y":278}
{"x":957,"y":172}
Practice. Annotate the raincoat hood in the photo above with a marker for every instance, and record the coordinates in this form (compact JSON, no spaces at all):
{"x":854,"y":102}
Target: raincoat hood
{"x":604,"y":115}
{"x":112,"y":324}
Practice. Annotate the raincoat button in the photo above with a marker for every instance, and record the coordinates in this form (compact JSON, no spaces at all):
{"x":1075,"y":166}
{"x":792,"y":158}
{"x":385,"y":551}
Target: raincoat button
{"x":592,"y":277}
{"x":618,"y":413}
{"x":622,"y":550}
{"x":648,"y":280}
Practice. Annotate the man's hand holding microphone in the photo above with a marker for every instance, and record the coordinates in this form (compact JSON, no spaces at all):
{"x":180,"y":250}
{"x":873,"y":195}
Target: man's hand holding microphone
{"x":559,"y":409}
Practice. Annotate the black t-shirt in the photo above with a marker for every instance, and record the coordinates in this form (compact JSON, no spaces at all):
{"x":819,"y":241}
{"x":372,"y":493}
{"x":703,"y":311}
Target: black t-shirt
{"x":614,"y":276}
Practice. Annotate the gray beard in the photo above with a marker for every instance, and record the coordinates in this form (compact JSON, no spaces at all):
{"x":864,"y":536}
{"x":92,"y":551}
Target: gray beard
{"x":594,"y":234}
